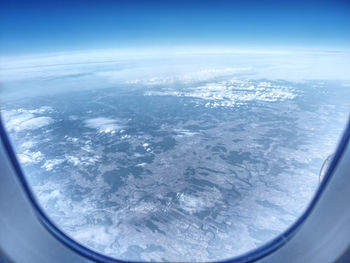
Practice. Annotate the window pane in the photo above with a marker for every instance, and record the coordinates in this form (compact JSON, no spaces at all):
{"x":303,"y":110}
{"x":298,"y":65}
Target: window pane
{"x":195,"y":153}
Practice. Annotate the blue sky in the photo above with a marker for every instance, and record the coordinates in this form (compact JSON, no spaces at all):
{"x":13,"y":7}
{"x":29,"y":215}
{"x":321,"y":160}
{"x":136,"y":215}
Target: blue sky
{"x":45,"y":26}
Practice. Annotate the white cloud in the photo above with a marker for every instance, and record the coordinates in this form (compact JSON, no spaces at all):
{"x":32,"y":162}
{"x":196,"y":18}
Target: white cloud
{"x":189,"y":77}
{"x":98,"y":234}
{"x":195,"y":204}
{"x":34,"y":123}
{"x":104,"y":125}
{"x":184,"y":132}
{"x":231,"y":93}
{"x":166,"y":65}
{"x":81,"y":160}
{"x":28,"y":157}
{"x":22,"y":119}
{"x":141,"y":164}
{"x":191,"y":204}
{"x":50,"y":164}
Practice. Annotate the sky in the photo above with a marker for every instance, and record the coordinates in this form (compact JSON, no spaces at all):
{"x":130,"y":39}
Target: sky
{"x":50,"y":26}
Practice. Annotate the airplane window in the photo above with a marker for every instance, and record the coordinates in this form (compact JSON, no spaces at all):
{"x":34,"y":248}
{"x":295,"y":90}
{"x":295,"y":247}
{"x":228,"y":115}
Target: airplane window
{"x":159,"y":132}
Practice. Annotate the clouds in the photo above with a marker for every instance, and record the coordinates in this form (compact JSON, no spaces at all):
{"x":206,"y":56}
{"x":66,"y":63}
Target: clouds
{"x":103,"y":125}
{"x":28,"y":157}
{"x":39,"y":75}
{"x":231,"y":93}
{"x":22,"y":120}
{"x":50,"y":164}
{"x":194,"y":204}
{"x":34,"y":123}
{"x":191,"y":77}
{"x":167,"y":65}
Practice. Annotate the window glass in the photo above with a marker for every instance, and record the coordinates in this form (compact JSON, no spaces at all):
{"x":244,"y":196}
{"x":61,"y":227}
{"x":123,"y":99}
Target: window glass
{"x":183,"y":152}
